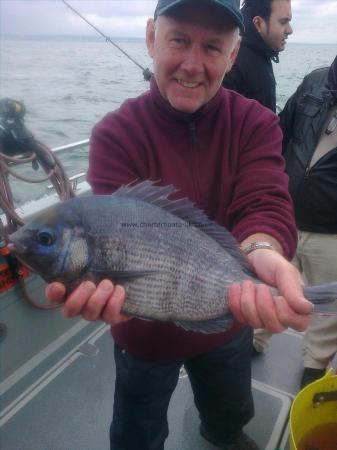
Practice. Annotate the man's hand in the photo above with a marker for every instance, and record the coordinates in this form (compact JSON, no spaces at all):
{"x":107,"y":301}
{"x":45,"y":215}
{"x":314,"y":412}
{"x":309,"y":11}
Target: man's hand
{"x":101,"y":302}
{"x":254,"y":304}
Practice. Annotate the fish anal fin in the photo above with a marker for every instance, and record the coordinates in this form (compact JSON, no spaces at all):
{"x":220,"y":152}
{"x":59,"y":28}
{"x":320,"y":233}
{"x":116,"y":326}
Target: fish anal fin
{"x":207,"y":326}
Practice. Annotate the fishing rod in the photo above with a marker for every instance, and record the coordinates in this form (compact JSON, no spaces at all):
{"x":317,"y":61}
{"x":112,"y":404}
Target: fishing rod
{"x":146,"y":72}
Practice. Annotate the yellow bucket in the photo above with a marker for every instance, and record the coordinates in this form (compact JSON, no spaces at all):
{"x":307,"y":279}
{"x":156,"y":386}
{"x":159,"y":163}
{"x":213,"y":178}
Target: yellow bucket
{"x":314,"y":406}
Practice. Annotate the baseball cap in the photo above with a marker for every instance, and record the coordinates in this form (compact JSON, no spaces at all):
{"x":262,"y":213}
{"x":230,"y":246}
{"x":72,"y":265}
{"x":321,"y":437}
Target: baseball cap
{"x":231,"y":7}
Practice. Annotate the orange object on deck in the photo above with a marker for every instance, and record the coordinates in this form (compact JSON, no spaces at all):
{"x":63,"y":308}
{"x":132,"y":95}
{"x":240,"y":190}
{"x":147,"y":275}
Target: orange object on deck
{"x":7,"y":278}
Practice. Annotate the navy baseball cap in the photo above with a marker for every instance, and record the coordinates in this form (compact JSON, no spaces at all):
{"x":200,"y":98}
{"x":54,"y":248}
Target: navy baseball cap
{"x":231,"y":7}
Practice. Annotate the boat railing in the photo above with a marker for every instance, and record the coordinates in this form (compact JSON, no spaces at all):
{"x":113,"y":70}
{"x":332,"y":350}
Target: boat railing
{"x":72,"y":146}
{"x":79,"y":185}
{"x":64,"y":149}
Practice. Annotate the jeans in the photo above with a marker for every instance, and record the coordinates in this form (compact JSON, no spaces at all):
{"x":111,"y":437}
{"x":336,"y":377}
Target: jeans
{"x":221,"y":383}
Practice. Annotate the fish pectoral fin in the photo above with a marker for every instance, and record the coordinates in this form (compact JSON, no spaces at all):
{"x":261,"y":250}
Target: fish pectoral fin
{"x":207,"y":326}
{"x":120,"y":276}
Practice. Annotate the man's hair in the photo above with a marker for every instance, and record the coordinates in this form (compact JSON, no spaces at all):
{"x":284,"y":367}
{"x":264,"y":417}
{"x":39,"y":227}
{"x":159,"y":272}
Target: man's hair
{"x":260,"y":8}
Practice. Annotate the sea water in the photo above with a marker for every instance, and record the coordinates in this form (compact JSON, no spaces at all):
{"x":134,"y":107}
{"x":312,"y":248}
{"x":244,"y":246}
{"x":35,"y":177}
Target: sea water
{"x":69,"y":84}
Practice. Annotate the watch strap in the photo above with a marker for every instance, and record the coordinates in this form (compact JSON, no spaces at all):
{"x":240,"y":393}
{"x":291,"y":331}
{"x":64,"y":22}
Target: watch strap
{"x":256,"y":246}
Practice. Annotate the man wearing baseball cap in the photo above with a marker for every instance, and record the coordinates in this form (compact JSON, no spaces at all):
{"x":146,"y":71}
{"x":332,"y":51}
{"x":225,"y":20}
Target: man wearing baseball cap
{"x":230,"y":7}
{"x":223,"y":152}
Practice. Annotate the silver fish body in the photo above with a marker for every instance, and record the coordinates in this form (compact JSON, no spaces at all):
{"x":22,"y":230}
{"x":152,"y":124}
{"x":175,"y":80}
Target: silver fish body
{"x":171,"y":268}
{"x":175,"y":263}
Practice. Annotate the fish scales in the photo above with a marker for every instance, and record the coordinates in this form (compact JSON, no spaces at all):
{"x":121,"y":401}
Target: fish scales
{"x":192,"y":291}
{"x":174,"y":262}
{"x":180,"y":302}
{"x":121,"y":234}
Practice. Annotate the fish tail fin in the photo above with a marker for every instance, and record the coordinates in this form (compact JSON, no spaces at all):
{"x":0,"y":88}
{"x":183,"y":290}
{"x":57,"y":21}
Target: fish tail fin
{"x":323,"y":296}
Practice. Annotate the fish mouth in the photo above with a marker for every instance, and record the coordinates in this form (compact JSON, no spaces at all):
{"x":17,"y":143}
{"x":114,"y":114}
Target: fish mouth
{"x":15,"y":246}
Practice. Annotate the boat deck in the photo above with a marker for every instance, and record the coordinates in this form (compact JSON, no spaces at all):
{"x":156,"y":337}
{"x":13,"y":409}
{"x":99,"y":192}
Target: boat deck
{"x":63,"y":399}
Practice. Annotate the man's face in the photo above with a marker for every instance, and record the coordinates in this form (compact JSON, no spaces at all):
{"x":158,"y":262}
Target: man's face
{"x":277,"y":29}
{"x":191,"y":51}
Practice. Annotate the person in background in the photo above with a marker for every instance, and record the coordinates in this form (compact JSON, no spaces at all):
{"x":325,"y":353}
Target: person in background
{"x":174,"y":133}
{"x":309,"y":123}
{"x":267,"y":27}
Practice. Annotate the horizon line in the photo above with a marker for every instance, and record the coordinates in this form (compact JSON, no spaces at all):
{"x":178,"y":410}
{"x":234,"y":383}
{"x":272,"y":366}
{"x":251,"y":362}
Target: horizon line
{"x":98,"y":38}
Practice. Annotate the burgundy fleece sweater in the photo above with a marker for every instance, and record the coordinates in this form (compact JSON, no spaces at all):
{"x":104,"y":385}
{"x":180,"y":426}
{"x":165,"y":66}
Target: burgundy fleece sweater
{"x":226,"y":158}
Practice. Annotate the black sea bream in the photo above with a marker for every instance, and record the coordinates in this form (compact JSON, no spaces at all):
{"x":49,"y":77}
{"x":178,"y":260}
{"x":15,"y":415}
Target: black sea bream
{"x":174,"y":262}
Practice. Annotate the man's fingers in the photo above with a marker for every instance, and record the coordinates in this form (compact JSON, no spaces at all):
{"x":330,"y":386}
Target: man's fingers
{"x":266,"y":306}
{"x":254,"y":305}
{"x":288,"y":317}
{"x":97,"y":301}
{"x":92,"y":302}
{"x":78,"y":299}
{"x":55,"y":292}
{"x":111,"y":313}
{"x":248,"y":304}
{"x":234,"y":301}
{"x":290,"y":287}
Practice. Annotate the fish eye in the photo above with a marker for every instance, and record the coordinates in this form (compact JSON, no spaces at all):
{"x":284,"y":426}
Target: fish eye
{"x":45,"y":238}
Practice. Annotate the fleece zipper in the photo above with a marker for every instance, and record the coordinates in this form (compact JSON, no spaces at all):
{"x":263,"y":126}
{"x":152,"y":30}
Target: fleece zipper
{"x":194,"y":161}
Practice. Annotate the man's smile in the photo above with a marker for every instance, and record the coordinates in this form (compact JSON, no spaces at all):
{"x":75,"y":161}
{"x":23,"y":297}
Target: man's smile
{"x":188,"y":84}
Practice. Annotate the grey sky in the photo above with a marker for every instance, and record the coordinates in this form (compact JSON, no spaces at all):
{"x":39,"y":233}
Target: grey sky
{"x":314,"y":21}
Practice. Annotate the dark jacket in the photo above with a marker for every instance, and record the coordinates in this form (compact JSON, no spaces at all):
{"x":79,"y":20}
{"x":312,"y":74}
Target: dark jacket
{"x":226,"y":158}
{"x":314,"y":190}
{"x":252,"y":74}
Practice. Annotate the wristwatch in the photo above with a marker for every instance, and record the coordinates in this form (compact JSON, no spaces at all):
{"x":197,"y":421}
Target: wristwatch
{"x":257,"y":245}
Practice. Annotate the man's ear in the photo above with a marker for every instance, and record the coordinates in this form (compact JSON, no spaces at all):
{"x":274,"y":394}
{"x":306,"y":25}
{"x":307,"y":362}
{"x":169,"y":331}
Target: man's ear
{"x":259,"y":23}
{"x":233,"y":55}
{"x":150,"y":36}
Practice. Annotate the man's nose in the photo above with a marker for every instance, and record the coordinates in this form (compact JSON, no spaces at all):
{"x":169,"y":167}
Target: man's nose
{"x":289,"y":29}
{"x":193,"y":60}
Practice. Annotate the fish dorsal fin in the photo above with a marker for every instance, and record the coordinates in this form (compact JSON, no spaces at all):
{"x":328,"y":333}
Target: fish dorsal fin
{"x":148,"y":192}
{"x":183,"y":208}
